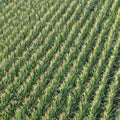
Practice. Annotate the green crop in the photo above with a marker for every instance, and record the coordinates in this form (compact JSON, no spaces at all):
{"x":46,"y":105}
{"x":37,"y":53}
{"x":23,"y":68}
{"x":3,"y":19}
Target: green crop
{"x":60,"y":60}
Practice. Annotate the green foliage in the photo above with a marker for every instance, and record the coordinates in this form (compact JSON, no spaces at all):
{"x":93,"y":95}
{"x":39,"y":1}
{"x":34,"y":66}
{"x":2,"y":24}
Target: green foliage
{"x":59,"y":59}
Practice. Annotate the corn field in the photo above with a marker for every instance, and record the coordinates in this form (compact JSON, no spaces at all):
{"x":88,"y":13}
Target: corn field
{"x":59,"y":59}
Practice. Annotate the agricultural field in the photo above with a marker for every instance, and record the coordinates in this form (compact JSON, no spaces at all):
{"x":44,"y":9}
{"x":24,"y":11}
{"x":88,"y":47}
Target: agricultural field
{"x":59,"y":59}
